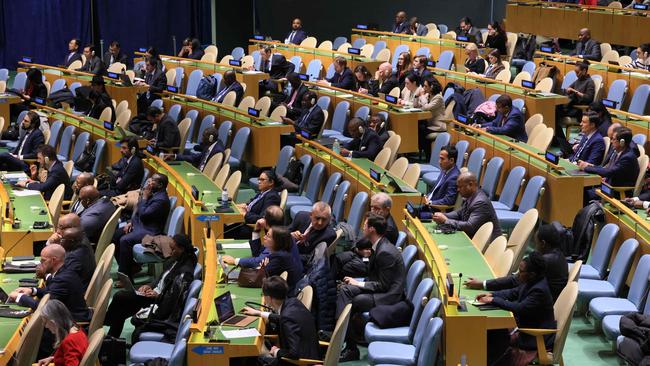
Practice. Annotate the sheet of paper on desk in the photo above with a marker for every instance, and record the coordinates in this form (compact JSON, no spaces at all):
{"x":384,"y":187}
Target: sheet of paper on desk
{"x":344,"y":95}
{"x":235,"y":246}
{"x":253,"y":72}
{"x":12,"y":176}
{"x":240,"y":333}
{"x":26,"y":192}
{"x":410,"y":110}
{"x":542,"y":94}
{"x":274,"y":123}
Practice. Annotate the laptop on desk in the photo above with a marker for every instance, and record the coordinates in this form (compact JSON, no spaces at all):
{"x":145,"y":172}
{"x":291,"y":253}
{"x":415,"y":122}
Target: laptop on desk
{"x":226,"y":312}
{"x":326,"y":141}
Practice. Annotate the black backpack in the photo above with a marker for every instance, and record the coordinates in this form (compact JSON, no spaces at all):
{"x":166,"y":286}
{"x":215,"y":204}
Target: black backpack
{"x":582,"y":232}
{"x":207,"y":88}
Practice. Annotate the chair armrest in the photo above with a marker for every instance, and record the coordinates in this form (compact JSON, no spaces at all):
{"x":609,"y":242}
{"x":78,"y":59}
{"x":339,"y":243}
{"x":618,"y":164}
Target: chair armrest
{"x":581,"y":107}
{"x":303,"y":361}
{"x":536,"y":332}
{"x":443,"y":208}
{"x":542,"y":355}
{"x":323,"y":344}
{"x":621,"y":189}
{"x":271,"y":336}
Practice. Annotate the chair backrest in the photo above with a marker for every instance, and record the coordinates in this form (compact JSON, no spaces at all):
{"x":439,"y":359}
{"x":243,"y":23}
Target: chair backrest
{"x":639,"y":102}
{"x":504,"y":76}
{"x":30,"y":340}
{"x":639,"y":284}
{"x":622,"y":263}
{"x":476,"y":161}
{"x":180,"y":73}
{"x":314,"y":182}
{"x":379,"y":45}
{"x":171,"y":77}
{"x":107,"y":233}
{"x":617,"y":92}
{"x":246,"y":102}
{"x":54,"y":206}
{"x":263,"y":105}
{"x":330,"y":188}
{"x":66,"y":141}
{"x":643,"y":168}
{"x":57,"y":85}
{"x":55,"y":132}
{"x":314,"y":69}
{"x":325,"y":45}
{"x":519,"y":104}
{"x":358,"y":43}
{"x":482,"y":235}
{"x":284,"y":195}
{"x":521,"y":233}
{"x":532,"y":193}
{"x":413,"y":277}
{"x":306,"y":161}
{"x":492,"y":175}
{"x":222,"y":175}
{"x":382,"y":158}
{"x":398,"y":50}
{"x":183,"y":330}
{"x":184,"y":129}
{"x":419,"y":299}
{"x":363,"y":112}
{"x":529,"y":67}
{"x":408,"y":255}
{"x":427,"y":314}
{"x":504,"y":264}
{"x":309,"y":42}
{"x":91,"y":356}
{"x":357,"y":209}
{"x":174,"y":112}
{"x":543,"y":139}
{"x":534,"y":120}
{"x":232,"y":184}
{"x":20,"y":80}
{"x":401,"y":239}
{"x":277,"y":114}
{"x":512,"y":185}
{"x":283,"y":159}
{"x":640,"y":139}
{"x":239,"y":143}
{"x":175,"y":224}
{"x":79,"y":145}
{"x":338,"y":336}
{"x":495,"y":250}
{"x":429,"y":347}
{"x":383,"y":55}
{"x":206,"y":122}
{"x":100,"y":306}
{"x":598,"y":84}
{"x":237,"y":53}
{"x":563,"y":311}
{"x":398,"y":168}
{"x":339,"y":200}
{"x":158,"y":103}
{"x":198,"y":271}
{"x":461,"y":146}
{"x":195,"y":288}
{"x":536,"y":131}
{"x":224,"y":132}
{"x":423,"y":51}
{"x":545,"y":85}
{"x":412,"y":175}
{"x":340,"y":116}
{"x":306,"y":296}
{"x":445,"y":60}
{"x":494,"y":97}
{"x":393,"y":143}
{"x":441,"y":141}
{"x":95,"y":282}
{"x":569,"y":78}
{"x":367,"y":50}
{"x":193,"y":82}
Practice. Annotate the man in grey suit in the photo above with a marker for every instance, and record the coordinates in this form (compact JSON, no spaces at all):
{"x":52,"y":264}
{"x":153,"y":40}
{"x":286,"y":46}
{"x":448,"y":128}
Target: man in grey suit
{"x":587,"y":48}
{"x":383,"y":286}
{"x":97,"y":211}
{"x":475,"y":211}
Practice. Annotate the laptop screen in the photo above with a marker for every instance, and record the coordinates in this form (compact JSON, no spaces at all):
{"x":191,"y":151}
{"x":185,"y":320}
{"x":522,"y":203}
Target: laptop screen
{"x":224,"y":306}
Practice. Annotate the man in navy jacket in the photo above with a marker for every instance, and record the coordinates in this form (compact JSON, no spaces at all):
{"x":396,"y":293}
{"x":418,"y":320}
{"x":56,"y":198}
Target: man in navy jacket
{"x":97,"y":211}
{"x":343,"y":77}
{"x":230,"y":84}
{"x":312,"y":117}
{"x":309,"y":229}
{"x":27,"y":144}
{"x":445,"y":191}
{"x":56,"y":174}
{"x":210,"y":146}
{"x":401,"y":24}
{"x":128,"y":171}
{"x":365,"y":141}
{"x":591,"y":147}
{"x":509,"y":120}
{"x":297,"y":35}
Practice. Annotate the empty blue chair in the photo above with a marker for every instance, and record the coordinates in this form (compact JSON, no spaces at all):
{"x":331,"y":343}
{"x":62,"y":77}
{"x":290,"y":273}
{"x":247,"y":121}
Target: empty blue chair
{"x":434,"y":165}
{"x":66,"y":141}
{"x":358,"y":43}
{"x":423,"y":351}
{"x":413,"y":277}
{"x":617,"y":92}
{"x":446,"y":60}
{"x":57,"y":85}
{"x":475,"y":162}
{"x":4,"y":74}
{"x":569,"y":78}
{"x":603,"y":306}
{"x":596,"y":266}
{"x":311,"y":192}
{"x":79,"y":145}
{"x":338,"y":41}
{"x":443,"y":28}
{"x":339,"y":200}
{"x":238,"y":148}
{"x":73,"y":87}
{"x":339,"y":119}
{"x":398,"y":50}
{"x":284,"y":157}
{"x":158,"y":103}
{"x":379,"y":45}
{"x":363,"y":112}
{"x":297,"y":63}
{"x":401,"y":239}
{"x":330,"y":71}
{"x":174,"y":112}
{"x":529,"y":67}
{"x":192,"y":115}
{"x":237,"y":53}
{"x":306,"y":161}
{"x":193,"y":82}
{"x":611,"y":323}
{"x":327,"y":196}
{"x":494,"y":97}
{"x":190,"y":303}
{"x":147,"y":350}
{"x":206,"y":122}
{"x":257,"y":59}
{"x":19,"y":81}
{"x":639,"y":102}
{"x":492,"y":175}
{"x":447,"y":94}
{"x":180,"y":74}
{"x":532,"y":193}
{"x":224,"y":132}
{"x":408,"y":255}
{"x":404,"y":334}
{"x":639,"y":139}
{"x":510,"y":189}
{"x":357,"y":210}
{"x":55,"y":132}
{"x":519,"y":104}
{"x":461,"y":147}
{"x":424,"y":51}
{"x":313,"y":69}
{"x":323,"y":102}
{"x":590,"y":289}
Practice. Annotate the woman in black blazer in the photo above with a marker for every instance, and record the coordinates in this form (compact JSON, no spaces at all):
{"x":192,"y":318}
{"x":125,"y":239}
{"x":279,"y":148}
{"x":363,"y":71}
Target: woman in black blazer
{"x":33,"y":88}
{"x":278,"y":241}
{"x":496,"y":38}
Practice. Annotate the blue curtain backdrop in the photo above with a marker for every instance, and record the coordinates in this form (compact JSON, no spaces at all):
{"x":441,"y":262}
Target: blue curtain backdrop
{"x":41,"y":29}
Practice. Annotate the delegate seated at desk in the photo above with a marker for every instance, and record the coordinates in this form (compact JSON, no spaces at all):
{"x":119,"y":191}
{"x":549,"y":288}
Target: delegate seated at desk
{"x":276,"y":66}
{"x":127,"y":173}
{"x":27,"y":145}
{"x":474,"y":63}
{"x":475,"y":210}
{"x":297,"y":34}
{"x":416,"y":28}
{"x":509,"y":120}
{"x":591,"y":147}
{"x":378,"y":123}
{"x":255,"y":208}
{"x":167,"y":135}
{"x":79,"y":255}
{"x":586,"y":47}
{"x":642,"y":60}
{"x":73,"y":52}
{"x":191,"y":49}
{"x":155,"y":81}
{"x":34,"y":88}
{"x":309,"y":229}
{"x":445,"y":191}
{"x":495,"y":65}
{"x":209,"y":146}
{"x":467,"y":29}
{"x":98,"y":210}
{"x":580,"y":92}
{"x":311,"y":119}
{"x":365,"y":141}
{"x":56,"y":174}
{"x":383,"y":82}
{"x":401,"y":25}
{"x":82,"y":180}
{"x":94,"y":64}
{"x":72,"y":343}
{"x":430,"y":100}
{"x":343,"y":77}
{"x":496,"y":38}
{"x":381,"y":204}
{"x":115,"y":54}
{"x":293,"y":100}
{"x":230,"y":83}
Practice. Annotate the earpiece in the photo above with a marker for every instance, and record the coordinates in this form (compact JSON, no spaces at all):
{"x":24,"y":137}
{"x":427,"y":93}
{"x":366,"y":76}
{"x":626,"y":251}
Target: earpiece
{"x":211,"y":138}
{"x":47,"y":160}
{"x":361,"y":129}
{"x":312,"y":101}
{"x":133,"y":150}
{"x":622,"y":142}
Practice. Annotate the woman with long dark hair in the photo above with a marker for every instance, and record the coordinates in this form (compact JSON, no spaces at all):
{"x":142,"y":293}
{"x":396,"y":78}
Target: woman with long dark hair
{"x":278,"y":241}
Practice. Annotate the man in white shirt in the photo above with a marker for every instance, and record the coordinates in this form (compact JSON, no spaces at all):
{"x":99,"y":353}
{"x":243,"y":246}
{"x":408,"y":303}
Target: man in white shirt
{"x":297,"y":35}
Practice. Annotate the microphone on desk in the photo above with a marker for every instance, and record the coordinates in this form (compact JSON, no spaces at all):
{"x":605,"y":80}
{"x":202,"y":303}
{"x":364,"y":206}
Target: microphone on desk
{"x":4,"y":260}
{"x":460,"y":282}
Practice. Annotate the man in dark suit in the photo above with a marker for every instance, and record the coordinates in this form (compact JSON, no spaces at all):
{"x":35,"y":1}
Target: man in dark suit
{"x":149,"y":218}
{"x":509,"y":120}
{"x":79,"y":255}
{"x":622,"y":170}
{"x":94,"y":64}
{"x":61,"y":283}
{"x":610,"y":152}
{"x":115,"y":54}
{"x":127,"y":173}
{"x":380,"y":125}
{"x":293,"y":101}
{"x":209,"y":147}
{"x":401,"y":24}
{"x":73,"y":52}
{"x":365,"y":141}
{"x":309,"y":229}
{"x":276,"y":66}
{"x":532,"y":305}
{"x":167,"y":134}
{"x":466,"y":29}
{"x":586,"y":47}
{"x":384,"y":80}
{"x":420,"y":67}
{"x":296,"y":326}
{"x":311,"y":119}
{"x":27,"y":145}
{"x":380,"y":204}
{"x":384,"y":285}
{"x":547,"y":242}
{"x":475,"y":211}
{"x":82,"y":180}
{"x":194,"y":50}
{"x":297,"y":35}
{"x":230,"y":84}
{"x":155,"y":80}
{"x":445,"y":191}
{"x":56,"y":174}
{"x":97,"y":211}
{"x":343,"y":77}
{"x":591,"y":147}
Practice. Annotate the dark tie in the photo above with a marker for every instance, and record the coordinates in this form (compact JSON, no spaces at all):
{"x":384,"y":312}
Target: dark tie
{"x":464,"y":210}
{"x":440,"y":180}
{"x":205,"y":159}
{"x":581,"y":146}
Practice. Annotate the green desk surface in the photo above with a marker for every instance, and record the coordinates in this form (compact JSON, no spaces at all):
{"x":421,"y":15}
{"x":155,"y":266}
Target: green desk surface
{"x":227,"y":113}
{"x":239,"y":296}
{"x":631,"y":222}
{"x":28,"y":209}
{"x":418,"y":39}
{"x":510,"y":89}
{"x":355,"y":98}
{"x":8,"y":326}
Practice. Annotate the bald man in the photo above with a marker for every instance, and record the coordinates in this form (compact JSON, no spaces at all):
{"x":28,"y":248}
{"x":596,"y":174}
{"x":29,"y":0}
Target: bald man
{"x":401,"y":24}
{"x":61,"y":283}
{"x":384,"y":80}
{"x":79,"y":255}
{"x":230,"y":83}
{"x":475,"y":211}
{"x":586,"y":47}
{"x":65,"y":221}
{"x":82,"y":180}
{"x":97,"y":211}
